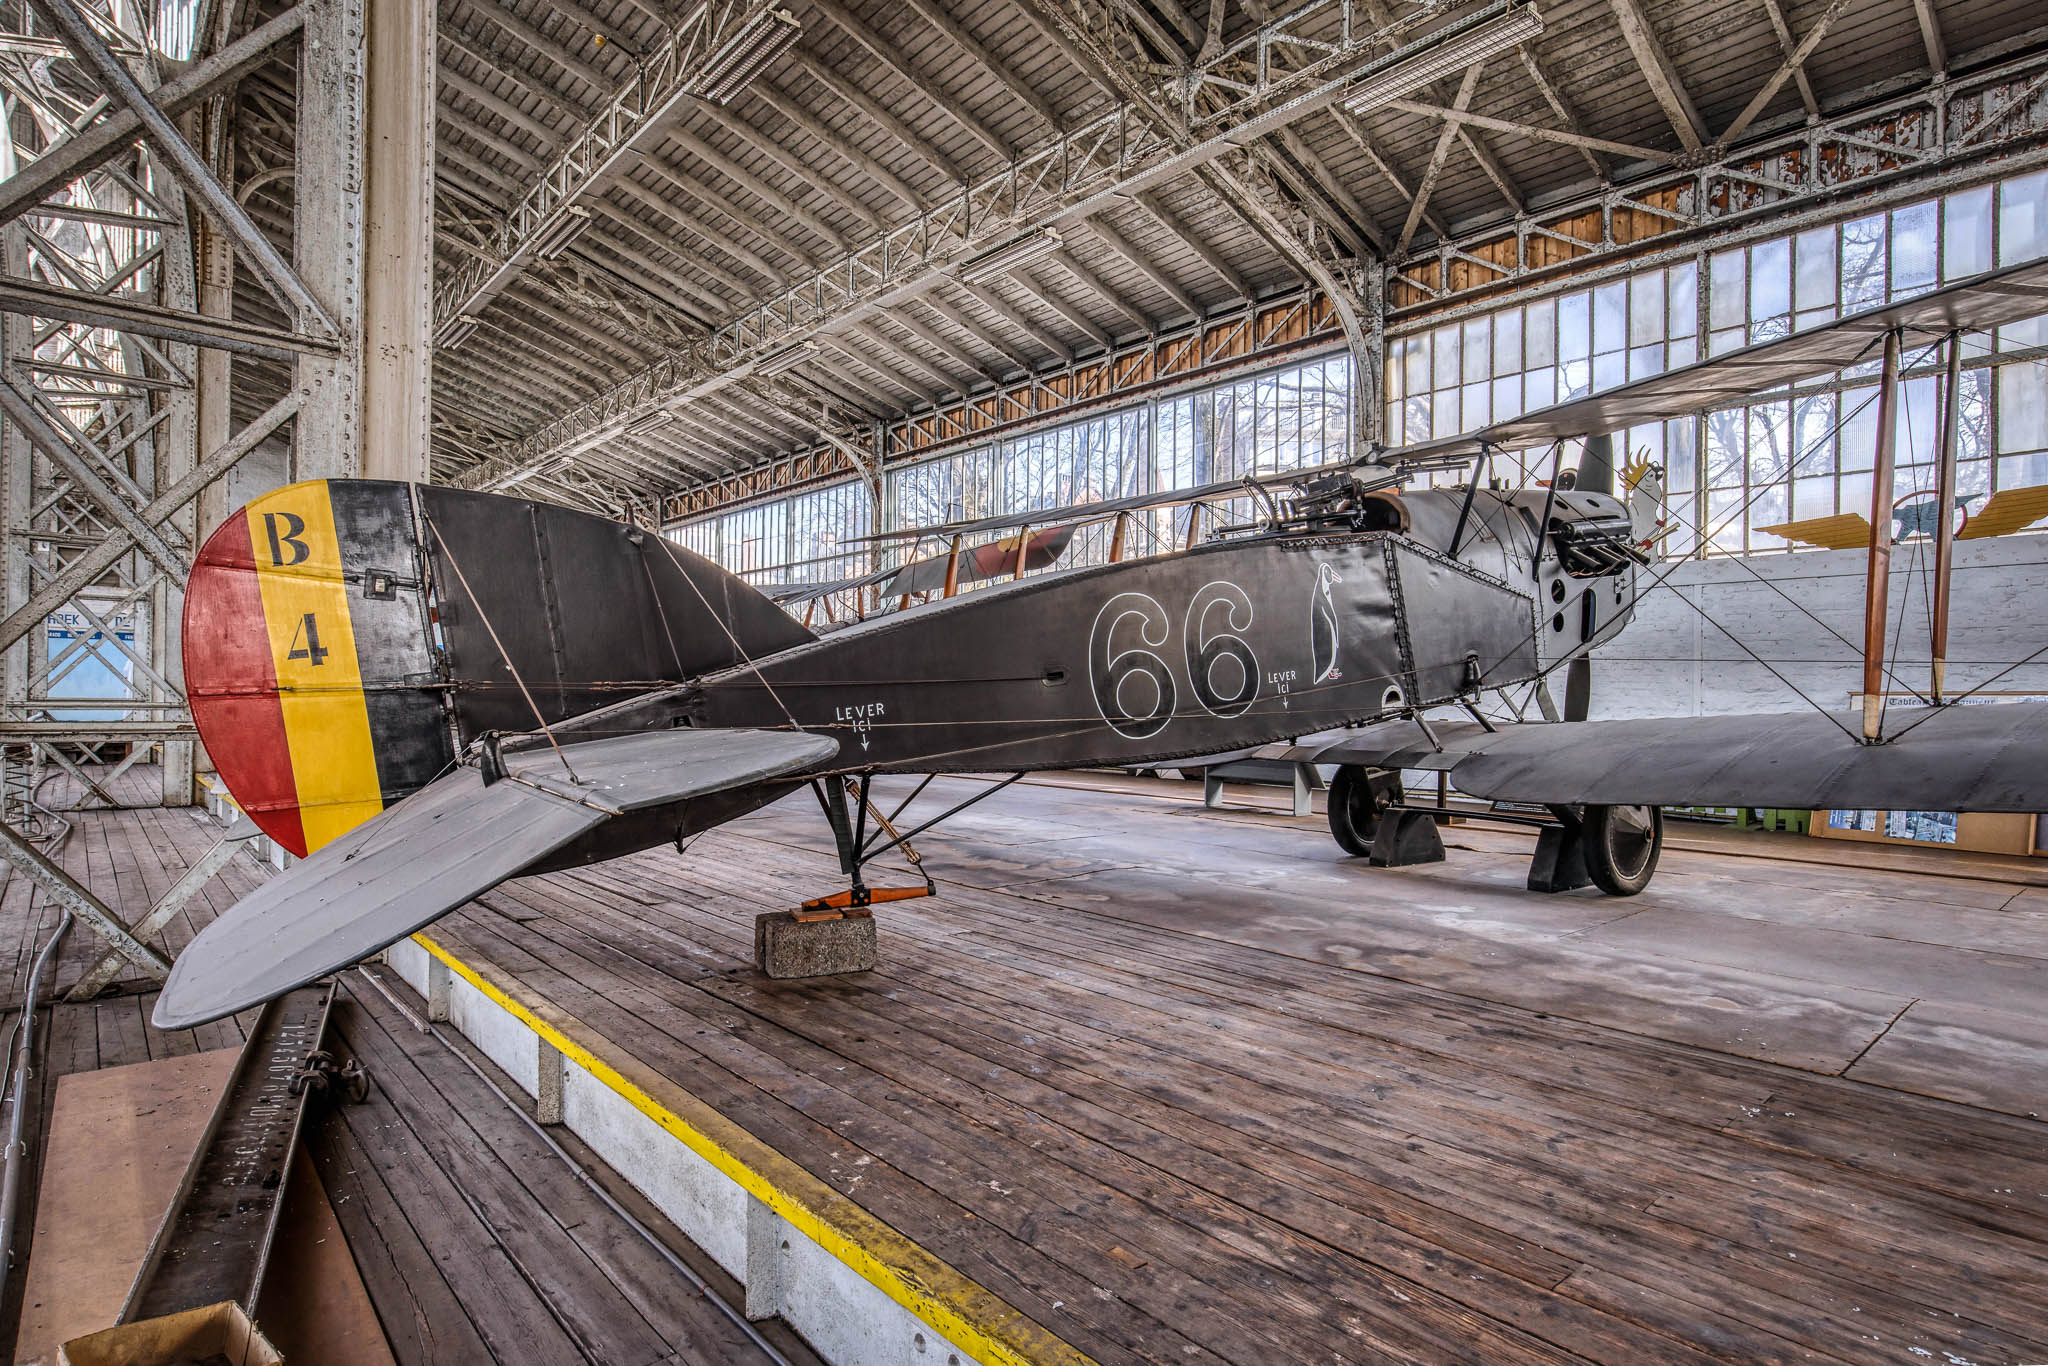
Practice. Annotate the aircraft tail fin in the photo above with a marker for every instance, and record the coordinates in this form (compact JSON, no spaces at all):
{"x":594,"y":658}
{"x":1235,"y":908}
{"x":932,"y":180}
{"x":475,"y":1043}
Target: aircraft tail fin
{"x":344,"y":639}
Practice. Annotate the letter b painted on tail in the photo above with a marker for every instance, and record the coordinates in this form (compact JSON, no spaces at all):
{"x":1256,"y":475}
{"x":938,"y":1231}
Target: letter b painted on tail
{"x":289,"y":536}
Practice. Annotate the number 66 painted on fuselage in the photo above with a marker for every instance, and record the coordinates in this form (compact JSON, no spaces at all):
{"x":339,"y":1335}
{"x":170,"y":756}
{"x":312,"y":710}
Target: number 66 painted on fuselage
{"x":1137,"y":672}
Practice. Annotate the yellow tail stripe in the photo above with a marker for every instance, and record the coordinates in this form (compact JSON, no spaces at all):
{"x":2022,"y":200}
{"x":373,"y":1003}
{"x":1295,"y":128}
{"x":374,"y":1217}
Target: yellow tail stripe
{"x":313,"y":647}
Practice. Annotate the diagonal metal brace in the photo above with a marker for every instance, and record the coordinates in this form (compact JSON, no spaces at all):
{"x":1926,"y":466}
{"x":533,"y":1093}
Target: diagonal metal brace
{"x":175,"y":900}
{"x":92,"y":145}
{"x":269,"y":264}
{"x":65,"y":891}
{"x":43,"y":434}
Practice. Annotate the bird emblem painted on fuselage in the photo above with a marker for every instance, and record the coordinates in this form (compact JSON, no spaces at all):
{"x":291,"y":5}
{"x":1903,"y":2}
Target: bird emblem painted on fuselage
{"x":1322,"y":624}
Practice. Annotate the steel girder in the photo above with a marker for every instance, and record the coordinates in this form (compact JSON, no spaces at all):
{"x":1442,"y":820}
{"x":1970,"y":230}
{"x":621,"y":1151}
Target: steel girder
{"x":677,"y":72}
{"x":1281,"y":72}
{"x":1951,"y":131}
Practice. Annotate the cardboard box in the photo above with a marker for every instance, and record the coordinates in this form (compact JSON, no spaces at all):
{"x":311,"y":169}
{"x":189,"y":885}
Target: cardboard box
{"x":216,"y":1331}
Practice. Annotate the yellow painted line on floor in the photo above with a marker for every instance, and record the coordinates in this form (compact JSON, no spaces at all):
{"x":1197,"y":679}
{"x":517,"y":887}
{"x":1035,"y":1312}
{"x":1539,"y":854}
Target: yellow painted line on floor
{"x":973,"y":1318}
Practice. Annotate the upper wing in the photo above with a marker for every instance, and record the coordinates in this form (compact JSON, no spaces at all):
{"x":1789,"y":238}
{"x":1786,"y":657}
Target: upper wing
{"x":449,"y":842}
{"x":1963,"y":758}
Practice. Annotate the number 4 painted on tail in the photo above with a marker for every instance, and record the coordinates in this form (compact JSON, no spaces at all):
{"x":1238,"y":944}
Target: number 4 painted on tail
{"x":306,"y":642}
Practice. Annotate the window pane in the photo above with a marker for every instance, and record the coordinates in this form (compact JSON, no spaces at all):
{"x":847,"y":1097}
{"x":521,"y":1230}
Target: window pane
{"x":1574,"y":327}
{"x":1913,"y":247}
{"x":1770,"y":280}
{"x":1857,"y":441}
{"x":1864,"y":263}
{"x":1478,"y":360}
{"x":1444,"y":346}
{"x":1919,"y":424}
{"x":1728,"y":305}
{"x":1507,"y":342}
{"x":1507,"y":397}
{"x":1770,"y":430}
{"x":1478,"y":404}
{"x":1726,"y":444}
{"x":1966,"y":233}
{"x":1417,"y":426}
{"x":1646,"y":304}
{"x":1415,"y":365}
{"x":2023,"y":219}
{"x":1539,"y":335}
{"x":1683,"y":288}
{"x":2022,"y":408}
{"x":1610,"y":317}
{"x":1818,"y":270}
{"x":1813,"y":497}
{"x":1813,"y":434}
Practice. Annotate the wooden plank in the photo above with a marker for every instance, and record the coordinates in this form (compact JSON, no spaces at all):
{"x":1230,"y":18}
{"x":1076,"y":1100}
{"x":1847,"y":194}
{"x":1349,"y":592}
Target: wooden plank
{"x":1018,"y":1273}
{"x":511,"y":1321}
{"x":853,"y":1035}
{"x":424,"y":1321}
{"x":640,"y":1286}
{"x":546,"y":1261}
{"x":118,"y":1142}
{"x":122,"y":1029}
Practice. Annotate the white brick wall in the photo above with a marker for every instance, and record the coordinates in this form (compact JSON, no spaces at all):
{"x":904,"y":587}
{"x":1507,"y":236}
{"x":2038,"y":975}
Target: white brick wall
{"x":1672,"y":662}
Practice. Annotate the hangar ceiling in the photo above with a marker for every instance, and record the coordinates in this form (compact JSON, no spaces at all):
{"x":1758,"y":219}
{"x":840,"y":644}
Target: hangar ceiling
{"x":624,"y":360}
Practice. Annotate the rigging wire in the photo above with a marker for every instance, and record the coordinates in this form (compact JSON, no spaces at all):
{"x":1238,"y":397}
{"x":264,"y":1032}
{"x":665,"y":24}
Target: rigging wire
{"x":1962,"y":697}
{"x":463,"y":579}
{"x":661,"y":610}
{"x":1660,"y":580}
{"x":1742,"y":561}
{"x":739,"y":649}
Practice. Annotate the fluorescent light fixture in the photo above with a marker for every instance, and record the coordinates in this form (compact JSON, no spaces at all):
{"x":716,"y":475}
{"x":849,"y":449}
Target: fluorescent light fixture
{"x":648,"y":422}
{"x":1447,"y":52}
{"x":458,"y":330}
{"x":785,"y":358}
{"x":746,"y":54}
{"x":566,"y":230}
{"x":1008,"y":256}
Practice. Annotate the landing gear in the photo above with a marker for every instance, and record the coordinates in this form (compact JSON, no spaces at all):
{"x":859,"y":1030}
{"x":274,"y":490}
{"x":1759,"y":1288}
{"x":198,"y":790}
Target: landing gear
{"x":1358,"y":797}
{"x":1614,"y":848}
{"x":1622,"y":845}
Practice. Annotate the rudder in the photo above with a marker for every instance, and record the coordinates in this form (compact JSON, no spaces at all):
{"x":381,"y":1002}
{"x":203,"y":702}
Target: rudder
{"x":342,"y":637}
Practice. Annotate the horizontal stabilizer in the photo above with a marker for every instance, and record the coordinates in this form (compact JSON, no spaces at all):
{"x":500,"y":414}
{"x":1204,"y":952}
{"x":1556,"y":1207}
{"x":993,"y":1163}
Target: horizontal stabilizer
{"x":1956,"y":758}
{"x":449,"y":842}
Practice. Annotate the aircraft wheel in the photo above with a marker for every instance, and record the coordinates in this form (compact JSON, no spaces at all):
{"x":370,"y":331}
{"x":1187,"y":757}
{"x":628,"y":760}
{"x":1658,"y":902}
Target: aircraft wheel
{"x":1622,"y":844}
{"x":1357,"y":797}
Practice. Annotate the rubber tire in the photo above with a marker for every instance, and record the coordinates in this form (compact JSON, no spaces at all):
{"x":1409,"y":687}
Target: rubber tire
{"x":1617,"y":857}
{"x":1354,"y":810}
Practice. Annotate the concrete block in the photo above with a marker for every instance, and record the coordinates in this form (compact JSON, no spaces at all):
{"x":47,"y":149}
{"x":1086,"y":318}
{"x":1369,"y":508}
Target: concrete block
{"x":1405,"y":838}
{"x":1560,"y":861}
{"x":786,"y":947}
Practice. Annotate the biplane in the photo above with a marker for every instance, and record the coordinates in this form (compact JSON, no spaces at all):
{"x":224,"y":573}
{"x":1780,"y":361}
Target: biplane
{"x":424,"y":691}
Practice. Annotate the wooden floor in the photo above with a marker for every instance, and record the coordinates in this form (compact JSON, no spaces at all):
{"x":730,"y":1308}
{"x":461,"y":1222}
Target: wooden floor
{"x":476,"y":1243}
{"x":479,"y":1244}
{"x":1187,"y":1086}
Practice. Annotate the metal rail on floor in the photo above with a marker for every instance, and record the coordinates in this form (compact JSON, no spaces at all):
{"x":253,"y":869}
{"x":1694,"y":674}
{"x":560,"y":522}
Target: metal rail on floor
{"x":214,"y":1241}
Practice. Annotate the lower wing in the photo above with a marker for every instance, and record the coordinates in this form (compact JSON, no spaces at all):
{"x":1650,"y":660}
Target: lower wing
{"x":451,"y":841}
{"x":1954,"y":758}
